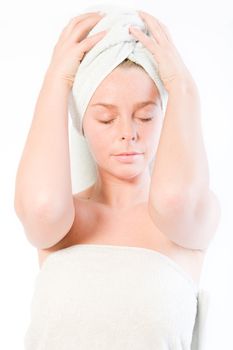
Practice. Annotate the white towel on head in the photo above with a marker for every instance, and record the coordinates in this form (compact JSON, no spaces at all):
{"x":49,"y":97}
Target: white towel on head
{"x":100,"y":60}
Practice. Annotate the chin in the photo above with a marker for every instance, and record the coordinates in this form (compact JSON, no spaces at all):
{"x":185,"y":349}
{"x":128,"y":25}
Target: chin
{"x":130,"y":172}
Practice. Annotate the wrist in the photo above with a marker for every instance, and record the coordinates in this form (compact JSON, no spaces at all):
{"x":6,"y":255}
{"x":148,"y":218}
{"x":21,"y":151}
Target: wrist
{"x":60,"y":79}
{"x":184,"y":84}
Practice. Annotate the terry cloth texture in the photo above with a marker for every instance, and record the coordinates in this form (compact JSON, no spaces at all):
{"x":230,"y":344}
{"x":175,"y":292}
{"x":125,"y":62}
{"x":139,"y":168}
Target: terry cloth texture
{"x":91,"y":296}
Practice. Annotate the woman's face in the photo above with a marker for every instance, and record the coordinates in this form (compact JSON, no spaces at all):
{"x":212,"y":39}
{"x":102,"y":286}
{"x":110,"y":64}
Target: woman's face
{"x":127,"y":125}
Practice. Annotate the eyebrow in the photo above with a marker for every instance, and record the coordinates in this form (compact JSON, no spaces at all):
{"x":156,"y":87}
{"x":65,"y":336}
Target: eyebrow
{"x":138,"y":105}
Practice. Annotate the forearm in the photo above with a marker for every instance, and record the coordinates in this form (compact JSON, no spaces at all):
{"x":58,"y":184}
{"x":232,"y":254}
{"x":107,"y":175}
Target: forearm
{"x":43,"y":174}
{"x":181,"y":166}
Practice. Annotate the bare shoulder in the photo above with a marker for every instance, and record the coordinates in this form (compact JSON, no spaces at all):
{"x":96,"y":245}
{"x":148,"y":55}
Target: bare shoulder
{"x":95,"y":224}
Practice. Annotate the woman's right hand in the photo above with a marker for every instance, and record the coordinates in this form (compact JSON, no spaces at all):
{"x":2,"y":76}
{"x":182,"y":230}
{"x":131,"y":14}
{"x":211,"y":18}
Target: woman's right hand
{"x":73,"y":44}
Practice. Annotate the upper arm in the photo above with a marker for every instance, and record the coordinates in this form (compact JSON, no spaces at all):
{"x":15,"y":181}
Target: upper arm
{"x":44,"y":231}
{"x":187,"y":223}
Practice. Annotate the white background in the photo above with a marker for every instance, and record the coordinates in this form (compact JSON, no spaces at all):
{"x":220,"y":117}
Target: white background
{"x":203,"y":34}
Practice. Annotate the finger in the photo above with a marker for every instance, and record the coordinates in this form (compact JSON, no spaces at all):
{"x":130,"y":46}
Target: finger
{"x":166,"y":31}
{"x":152,"y":23}
{"x":73,"y":22}
{"x":151,"y":45}
{"x":82,"y":28}
{"x":86,"y":44}
{"x":82,"y":48}
{"x":82,"y":17}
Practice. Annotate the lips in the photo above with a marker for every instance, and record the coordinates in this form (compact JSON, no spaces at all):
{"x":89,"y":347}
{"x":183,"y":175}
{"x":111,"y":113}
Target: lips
{"x":127,"y":154}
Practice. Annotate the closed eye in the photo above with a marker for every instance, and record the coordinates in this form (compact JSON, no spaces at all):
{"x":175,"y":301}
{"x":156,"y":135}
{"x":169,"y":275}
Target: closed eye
{"x":147,"y":119}
{"x":106,"y":121}
{"x":109,"y":121}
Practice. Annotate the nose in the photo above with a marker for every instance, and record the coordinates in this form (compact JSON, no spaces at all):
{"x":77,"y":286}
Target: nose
{"x":128,"y":130}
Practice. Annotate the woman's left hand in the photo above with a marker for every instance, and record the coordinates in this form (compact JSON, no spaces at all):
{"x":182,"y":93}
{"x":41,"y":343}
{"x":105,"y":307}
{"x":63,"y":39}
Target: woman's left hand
{"x":171,"y":68}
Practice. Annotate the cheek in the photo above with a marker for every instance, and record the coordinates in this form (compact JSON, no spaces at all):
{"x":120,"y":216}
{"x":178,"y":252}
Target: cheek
{"x":100,"y":145}
{"x":153,"y":135}
{"x":153,"y":129}
{"x":157,"y":127}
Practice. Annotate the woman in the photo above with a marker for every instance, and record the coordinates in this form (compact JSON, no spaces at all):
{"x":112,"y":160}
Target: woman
{"x":132,"y":235}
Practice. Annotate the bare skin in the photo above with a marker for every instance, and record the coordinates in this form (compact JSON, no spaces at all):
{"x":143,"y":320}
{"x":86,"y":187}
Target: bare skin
{"x":96,"y":224}
{"x":114,"y":209}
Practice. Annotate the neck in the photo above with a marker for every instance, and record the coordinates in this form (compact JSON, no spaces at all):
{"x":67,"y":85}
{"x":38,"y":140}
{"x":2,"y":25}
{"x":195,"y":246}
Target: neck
{"x":117,"y":193}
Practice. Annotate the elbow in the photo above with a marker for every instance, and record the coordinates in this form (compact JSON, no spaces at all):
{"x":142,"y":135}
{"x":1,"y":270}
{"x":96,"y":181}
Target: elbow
{"x":41,"y":208}
{"x":43,"y":228}
{"x":174,"y":202}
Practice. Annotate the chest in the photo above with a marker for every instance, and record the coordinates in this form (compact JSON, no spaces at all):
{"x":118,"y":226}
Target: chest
{"x":95,"y":224}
